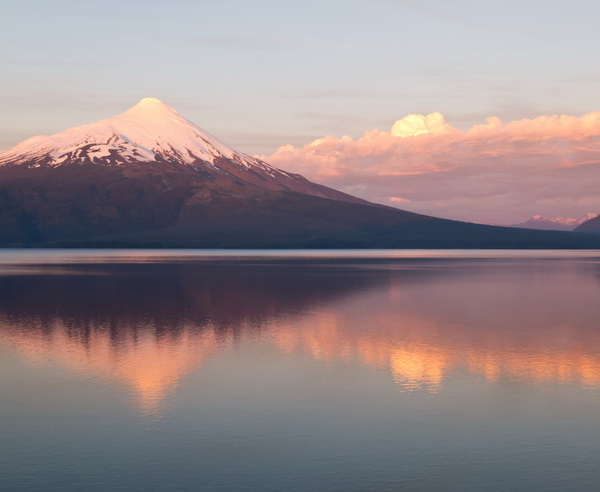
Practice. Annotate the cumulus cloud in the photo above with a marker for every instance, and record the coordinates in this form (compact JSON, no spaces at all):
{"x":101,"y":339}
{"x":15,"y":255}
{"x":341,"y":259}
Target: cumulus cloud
{"x":494,"y":172}
{"x":418,"y":124}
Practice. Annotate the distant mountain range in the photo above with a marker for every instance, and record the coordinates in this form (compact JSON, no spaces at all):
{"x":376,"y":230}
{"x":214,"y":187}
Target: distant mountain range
{"x":151,"y":178}
{"x":554,"y":223}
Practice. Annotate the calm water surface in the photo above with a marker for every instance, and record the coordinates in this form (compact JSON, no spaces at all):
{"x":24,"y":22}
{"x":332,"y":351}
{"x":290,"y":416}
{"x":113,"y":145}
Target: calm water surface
{"x":250,"y":370}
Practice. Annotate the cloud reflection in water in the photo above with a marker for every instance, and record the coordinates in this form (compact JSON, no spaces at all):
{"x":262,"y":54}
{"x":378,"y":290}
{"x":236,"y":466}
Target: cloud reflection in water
{"x":148,"y":326}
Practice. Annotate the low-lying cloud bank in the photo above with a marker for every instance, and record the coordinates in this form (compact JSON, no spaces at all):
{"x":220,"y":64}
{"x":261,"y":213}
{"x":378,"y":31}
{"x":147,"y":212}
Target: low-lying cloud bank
{"x":496,"y":172}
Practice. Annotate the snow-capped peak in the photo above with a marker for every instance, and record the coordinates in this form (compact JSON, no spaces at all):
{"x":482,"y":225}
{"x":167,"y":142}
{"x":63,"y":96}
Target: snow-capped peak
{"x":154,"y":136}
{"x":151,"y":107}
{"x":149,"y":131}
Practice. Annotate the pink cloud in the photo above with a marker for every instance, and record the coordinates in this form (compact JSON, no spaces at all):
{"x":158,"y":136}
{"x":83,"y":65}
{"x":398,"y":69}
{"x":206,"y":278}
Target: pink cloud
{"x":494,"y":172}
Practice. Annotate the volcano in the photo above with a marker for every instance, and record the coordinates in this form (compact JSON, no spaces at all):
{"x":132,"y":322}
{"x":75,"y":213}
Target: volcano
{"x":150,"y":178}
{"x":152,"y":132}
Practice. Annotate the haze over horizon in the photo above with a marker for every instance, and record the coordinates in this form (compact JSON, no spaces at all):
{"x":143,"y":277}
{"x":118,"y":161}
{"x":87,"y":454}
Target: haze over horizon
{"x":267,"y":75}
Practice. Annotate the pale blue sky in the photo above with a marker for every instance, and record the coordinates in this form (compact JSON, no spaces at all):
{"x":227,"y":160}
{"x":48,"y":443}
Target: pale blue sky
{"x":259,"y":74}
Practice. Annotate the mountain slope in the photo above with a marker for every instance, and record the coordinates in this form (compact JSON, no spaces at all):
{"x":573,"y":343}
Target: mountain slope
{"x":592,"y":225}
{"x":150,"y":178}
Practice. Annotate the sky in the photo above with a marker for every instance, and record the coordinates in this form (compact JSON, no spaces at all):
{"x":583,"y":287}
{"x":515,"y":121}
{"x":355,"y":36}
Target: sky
{"x":271,"y":77}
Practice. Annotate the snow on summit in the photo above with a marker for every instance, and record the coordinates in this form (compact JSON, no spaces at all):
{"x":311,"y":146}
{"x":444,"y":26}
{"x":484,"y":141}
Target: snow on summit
{"x":149,"y":131}
{"x":152,"y":132}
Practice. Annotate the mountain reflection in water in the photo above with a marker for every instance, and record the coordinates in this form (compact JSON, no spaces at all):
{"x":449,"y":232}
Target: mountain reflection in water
{"x":421,"y":322}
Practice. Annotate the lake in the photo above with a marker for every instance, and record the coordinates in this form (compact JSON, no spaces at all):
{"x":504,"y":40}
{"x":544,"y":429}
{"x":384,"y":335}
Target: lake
{"x":299,"y":370}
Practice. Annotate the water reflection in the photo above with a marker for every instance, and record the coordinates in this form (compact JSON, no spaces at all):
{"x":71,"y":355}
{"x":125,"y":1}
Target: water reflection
{"x":420,"y":322}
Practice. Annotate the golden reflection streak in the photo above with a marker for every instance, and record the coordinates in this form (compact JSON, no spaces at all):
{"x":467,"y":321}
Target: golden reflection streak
{"x":418,"y":355}
{"x":151,"y":366}
{"x":414,"y":351}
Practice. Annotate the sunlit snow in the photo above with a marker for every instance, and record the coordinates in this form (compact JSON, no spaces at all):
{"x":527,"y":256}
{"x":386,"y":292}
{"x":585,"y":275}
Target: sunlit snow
{"x":148,"y":131}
